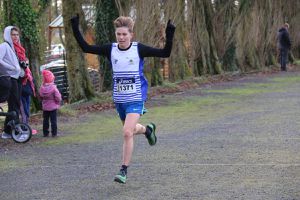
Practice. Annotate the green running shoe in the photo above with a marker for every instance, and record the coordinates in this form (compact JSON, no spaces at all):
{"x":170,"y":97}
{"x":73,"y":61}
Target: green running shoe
{"x":121,"y":177}
{"x":151,"y":137}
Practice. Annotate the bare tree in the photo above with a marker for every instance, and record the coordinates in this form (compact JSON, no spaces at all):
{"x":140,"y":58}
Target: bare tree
{"x":202,"y":34}
{"x":148,"y":29}
{"x":179,"y":60}
{"x":124,"y":6}
{"x":106,"y":13}
{"x":79,"y":82}
{"x":225,"y":21}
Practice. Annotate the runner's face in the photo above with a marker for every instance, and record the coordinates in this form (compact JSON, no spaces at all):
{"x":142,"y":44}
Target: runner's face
{"x":15,"y":36}
{"x":123,"y":37}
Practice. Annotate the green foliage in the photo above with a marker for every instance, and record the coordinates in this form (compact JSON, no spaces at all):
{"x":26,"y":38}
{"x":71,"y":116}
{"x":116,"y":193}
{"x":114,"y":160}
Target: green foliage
{"x":36,"y":105}
{"x":287,"y":80}
{"x":67,"y":111}
{"x":43,"y":4}
{"x":95,"y":128}
{"x":25,"y":17}
{"x":229,"y":58}
{"x":22,"y":14}
{"x":270,"y":59}
{"x":244,"y":6}
{"x":291,"y":57}
{"x":25,"y":14}
{"x":156,"y":78}
{"x":297,"y":62}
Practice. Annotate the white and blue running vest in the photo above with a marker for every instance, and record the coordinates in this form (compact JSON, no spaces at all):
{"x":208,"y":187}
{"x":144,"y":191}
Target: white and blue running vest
{"x":129,"y":83}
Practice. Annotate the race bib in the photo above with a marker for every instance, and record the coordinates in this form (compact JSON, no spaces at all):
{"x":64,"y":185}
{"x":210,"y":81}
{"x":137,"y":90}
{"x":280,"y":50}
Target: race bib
{"x":126,"y":85}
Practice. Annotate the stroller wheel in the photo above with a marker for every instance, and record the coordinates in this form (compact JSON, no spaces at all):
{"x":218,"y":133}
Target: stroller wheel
{"x":21,"y":133}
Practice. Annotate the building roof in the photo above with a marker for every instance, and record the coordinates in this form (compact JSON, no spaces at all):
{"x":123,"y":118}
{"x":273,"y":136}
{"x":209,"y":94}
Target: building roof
{"x":89,"y":12}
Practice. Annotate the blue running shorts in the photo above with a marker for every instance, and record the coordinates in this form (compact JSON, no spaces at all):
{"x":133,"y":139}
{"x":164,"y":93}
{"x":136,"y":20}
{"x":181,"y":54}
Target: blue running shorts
{"x":131,"y":107}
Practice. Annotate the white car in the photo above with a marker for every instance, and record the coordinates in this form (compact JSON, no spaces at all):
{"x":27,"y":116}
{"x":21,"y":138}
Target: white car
{"x":56,"y":63}
{"x":57,"y":49}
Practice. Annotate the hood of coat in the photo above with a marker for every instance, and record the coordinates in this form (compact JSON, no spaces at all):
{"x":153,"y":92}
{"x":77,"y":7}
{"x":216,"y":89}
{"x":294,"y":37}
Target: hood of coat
{"x":47,"y":89}
{"x":282,"y":29}
{"x":7,"y":36}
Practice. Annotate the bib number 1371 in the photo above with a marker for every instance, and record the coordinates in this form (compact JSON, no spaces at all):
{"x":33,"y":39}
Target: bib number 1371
{"x":126,"y":85}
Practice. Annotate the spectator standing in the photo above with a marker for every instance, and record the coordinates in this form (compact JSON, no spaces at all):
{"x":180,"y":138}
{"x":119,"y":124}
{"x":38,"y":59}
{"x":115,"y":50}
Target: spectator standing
{"x":10,"y":68}
{"x":51,"y":99}
{"x":284,"y":45}
{"x":27,"y":84}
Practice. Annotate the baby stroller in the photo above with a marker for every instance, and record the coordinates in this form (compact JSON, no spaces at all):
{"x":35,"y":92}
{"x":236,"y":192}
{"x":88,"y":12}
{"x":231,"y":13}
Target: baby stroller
{"x":20,"y":132}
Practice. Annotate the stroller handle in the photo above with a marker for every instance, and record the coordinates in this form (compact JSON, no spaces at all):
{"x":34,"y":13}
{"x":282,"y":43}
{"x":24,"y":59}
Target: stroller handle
{"x":12,"y":114}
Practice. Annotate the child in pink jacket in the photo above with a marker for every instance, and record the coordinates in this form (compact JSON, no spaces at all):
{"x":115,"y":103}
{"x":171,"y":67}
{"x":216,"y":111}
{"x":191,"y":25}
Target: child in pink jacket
{"x":51,"y":99}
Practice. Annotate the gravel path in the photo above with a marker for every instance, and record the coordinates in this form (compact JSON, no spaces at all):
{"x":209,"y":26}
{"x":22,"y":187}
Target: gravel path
{"x":246,"y":148}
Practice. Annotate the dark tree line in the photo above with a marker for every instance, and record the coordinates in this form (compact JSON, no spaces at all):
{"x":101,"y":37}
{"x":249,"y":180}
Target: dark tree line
{"x":212,"y":37}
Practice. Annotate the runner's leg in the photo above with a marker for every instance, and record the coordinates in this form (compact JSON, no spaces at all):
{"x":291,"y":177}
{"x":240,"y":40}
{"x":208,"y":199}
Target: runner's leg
{"x":128,"y":132}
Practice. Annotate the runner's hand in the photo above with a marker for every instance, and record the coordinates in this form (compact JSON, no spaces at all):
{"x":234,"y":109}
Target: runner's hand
{"x":170,"y":30}
{"x":75,"y":19}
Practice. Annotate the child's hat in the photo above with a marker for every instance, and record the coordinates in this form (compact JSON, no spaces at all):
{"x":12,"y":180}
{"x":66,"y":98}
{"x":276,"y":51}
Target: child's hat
{"x":48,"y":76}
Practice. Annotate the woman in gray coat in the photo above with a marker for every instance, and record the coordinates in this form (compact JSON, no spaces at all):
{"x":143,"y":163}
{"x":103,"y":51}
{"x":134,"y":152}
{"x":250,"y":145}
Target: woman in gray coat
{"x":10,"y":70}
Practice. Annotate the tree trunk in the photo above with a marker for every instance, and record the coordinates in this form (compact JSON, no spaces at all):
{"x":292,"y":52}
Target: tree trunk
{"x":124,"y":6}
{"x":225,"y":14}
{"x":178,"y":61}
{"x":149,"y":30}
{"x":204,"y":53}
{"x":78,"y":77}
{"x":106,"y":13}
{"x":256,"y":34}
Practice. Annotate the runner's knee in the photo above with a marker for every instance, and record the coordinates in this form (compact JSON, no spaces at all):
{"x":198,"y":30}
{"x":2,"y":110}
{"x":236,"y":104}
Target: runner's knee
{"x":127,"y":133}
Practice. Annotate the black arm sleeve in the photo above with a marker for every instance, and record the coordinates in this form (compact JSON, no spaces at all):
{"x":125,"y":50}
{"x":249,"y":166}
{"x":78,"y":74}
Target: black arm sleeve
{"x":146,"y":51}
{"x":94,"y":49}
